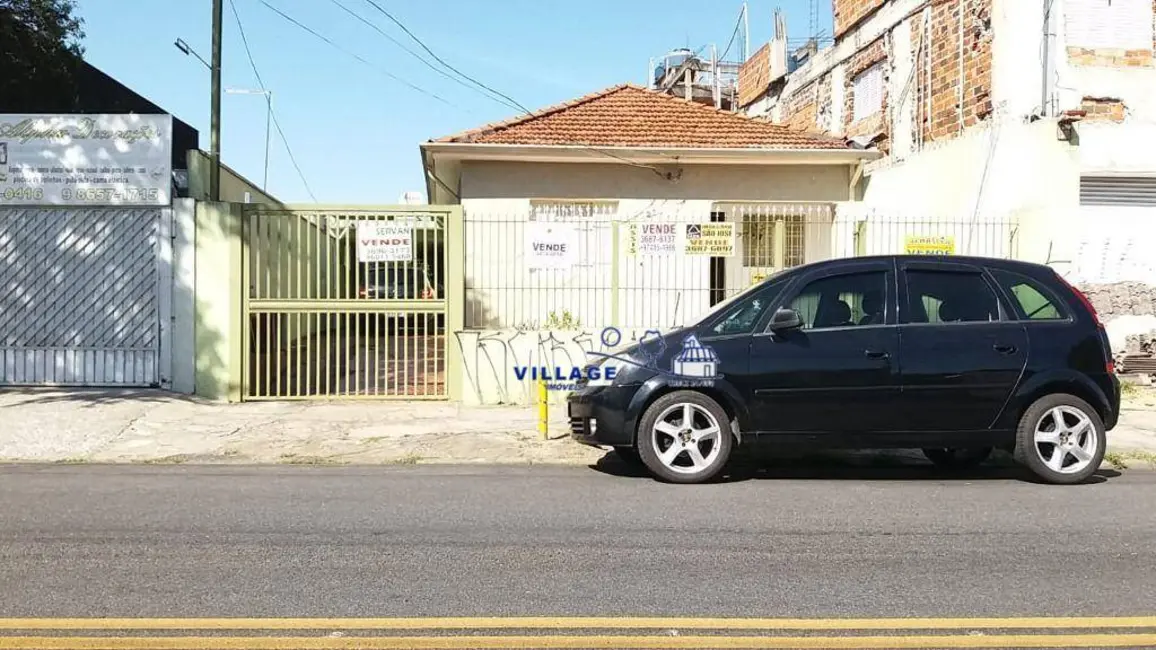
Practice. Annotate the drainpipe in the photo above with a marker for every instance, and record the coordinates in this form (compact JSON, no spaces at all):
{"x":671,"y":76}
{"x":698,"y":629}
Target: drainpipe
{"x":1048,"y":64}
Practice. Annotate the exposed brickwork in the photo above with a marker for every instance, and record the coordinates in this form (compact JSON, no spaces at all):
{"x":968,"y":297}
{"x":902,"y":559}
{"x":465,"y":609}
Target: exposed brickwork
{"x":1110,"y":58}
{"x":945,"y":118}
{"x":1101,"y":109}
{"x":824,"y":104}
{"x":755,"y":76}
{"x":800,"y":109}
{"x":849,"y":13}
{"x":873,"y":124}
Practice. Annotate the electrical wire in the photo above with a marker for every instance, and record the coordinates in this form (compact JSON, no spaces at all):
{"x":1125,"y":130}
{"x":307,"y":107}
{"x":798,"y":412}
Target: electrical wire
{"x":272,"y":114}
{"x":437,"y":58}
{"x":734,"y":35}
{"x":419,"y":57}
{"x":357,"y":56}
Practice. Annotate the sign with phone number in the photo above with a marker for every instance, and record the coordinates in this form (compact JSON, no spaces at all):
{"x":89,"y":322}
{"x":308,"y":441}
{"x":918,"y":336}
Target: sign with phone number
{"x":85,"y":159}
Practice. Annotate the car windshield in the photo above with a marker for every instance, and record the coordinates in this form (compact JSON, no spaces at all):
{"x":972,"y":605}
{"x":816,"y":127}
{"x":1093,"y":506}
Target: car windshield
{"x":726,"y":304}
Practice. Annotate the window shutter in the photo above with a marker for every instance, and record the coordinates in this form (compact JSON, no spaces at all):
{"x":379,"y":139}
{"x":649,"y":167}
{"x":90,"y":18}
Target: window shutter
{"x":868,"y":92}
{"x":1109,"y":24}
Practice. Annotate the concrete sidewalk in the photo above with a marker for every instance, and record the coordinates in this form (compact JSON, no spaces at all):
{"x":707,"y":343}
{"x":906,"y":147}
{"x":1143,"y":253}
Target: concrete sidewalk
{"x":42,"y":425}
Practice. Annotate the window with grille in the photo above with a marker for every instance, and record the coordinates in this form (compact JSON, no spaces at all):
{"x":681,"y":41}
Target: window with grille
{"x":759,"y":241}
{"x":867,"y":92}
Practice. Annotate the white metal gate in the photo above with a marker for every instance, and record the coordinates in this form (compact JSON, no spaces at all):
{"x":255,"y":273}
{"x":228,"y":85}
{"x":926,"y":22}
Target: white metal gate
{"x":79,"y":296}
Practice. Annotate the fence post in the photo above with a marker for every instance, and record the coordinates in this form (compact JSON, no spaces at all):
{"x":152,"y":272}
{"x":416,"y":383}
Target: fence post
{"x":860,"y":238}
{"x":780,"y":240}
{"x":543,"y":410}
{"x":615,"y":254}
{"x":453,"y":238}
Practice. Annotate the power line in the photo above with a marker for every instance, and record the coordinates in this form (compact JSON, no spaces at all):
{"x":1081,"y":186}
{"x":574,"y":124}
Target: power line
{"x":418,"y":56}
{"x":519,"y":105}
{"x":272,"y":114}
{"x":442,"y":61}
{"x":356,"y":56}
{"x":734,"y":35}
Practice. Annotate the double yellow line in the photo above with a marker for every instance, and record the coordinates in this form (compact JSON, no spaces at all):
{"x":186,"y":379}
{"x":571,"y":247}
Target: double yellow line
{"x":579,"y":632}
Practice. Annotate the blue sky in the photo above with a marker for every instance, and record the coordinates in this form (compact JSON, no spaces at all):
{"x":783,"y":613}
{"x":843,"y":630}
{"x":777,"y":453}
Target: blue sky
{"x":355,"y":131}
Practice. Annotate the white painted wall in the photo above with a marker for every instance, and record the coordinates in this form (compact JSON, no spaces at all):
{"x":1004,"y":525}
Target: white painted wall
{"x":502,"y":292}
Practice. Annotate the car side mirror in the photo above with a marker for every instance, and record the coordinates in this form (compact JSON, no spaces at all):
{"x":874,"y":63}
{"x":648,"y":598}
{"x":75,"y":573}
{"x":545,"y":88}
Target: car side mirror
{"x":785,"y":319}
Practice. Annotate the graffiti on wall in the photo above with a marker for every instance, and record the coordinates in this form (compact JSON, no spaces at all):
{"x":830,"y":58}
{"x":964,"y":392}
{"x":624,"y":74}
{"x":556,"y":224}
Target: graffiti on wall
{"x":492,"y":359}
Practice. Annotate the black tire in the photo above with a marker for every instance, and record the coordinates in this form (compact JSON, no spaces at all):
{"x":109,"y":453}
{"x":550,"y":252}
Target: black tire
{"x":956,"y":459}
{"x":629,"y":455}
{"x":646,"y":439}
{"x":1027,"y":452}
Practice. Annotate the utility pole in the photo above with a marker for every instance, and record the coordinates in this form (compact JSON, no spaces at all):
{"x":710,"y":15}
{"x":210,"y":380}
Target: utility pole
{"x":215,"y":118}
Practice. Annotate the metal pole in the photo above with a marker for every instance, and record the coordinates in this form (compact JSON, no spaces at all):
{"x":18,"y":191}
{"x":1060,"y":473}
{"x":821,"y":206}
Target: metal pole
{"x":215,"y":117}
{"x":268,"y":121}
{"x":746,"y":34}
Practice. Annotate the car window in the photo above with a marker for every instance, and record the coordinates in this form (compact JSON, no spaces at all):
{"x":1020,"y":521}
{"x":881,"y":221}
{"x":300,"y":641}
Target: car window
{"x":1032,"y":300}
{"x":744,"y":314}
{"x":949,"y":297}
{"x":853,"y":299}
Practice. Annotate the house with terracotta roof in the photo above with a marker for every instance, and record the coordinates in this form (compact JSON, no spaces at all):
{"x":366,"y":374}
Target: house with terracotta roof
{"x":606,"y":180}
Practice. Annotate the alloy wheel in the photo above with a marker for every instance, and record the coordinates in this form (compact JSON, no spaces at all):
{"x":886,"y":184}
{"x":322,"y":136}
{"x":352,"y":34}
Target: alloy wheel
{"x":686,"y":438}
{"x":1065,"y":439}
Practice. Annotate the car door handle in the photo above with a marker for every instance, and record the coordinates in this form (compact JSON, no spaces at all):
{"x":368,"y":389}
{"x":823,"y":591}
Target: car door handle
{"x":1004,"y":349}
{"x":877,"y":354}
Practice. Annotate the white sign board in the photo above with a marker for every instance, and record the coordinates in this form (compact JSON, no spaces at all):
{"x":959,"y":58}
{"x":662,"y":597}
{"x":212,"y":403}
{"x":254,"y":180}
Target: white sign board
{"x":652,"y":238}
{"x":383,"y":241}
{"x":86,"y":159}
{"x":550,"y":245}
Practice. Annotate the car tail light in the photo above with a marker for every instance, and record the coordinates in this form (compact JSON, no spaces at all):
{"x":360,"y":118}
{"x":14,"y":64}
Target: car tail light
{"x":1111,"y":367}
{"x":1083,"y":299}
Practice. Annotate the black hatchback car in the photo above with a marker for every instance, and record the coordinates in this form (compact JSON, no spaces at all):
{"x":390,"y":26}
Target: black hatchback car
{"x":955,"y":356}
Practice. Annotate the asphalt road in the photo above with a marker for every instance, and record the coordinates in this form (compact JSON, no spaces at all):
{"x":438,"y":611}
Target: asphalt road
{"x":185,"y":541}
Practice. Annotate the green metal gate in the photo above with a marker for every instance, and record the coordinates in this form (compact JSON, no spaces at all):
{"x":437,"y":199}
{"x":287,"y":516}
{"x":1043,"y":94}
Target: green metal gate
{"x":350,"y":302}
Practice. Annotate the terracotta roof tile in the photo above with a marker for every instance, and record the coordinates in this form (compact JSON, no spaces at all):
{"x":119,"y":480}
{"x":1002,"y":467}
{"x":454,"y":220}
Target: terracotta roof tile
{"x":631,"y":116}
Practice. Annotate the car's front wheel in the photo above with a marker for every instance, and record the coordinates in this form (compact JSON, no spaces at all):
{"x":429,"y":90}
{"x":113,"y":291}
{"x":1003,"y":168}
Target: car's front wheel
{"x":684,"y":437}
{"x":1061,"y":439}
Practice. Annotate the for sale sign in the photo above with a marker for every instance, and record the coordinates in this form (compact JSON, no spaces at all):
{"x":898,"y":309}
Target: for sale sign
{"x":384,"y":241}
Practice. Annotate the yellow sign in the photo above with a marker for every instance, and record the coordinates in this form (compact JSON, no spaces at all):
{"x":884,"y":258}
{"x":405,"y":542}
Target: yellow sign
{"x":758,"y":277}
{"x":941,"y":245}
{"x":713,"y":239}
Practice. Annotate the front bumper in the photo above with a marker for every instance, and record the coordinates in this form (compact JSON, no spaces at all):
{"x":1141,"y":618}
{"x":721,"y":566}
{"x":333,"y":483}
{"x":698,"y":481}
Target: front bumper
{"x":598,"y":415}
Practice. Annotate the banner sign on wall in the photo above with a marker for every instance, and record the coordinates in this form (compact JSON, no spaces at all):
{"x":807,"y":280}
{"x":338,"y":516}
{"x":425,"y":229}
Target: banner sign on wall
{"x":653,"y":239}
{"x":550,"y":245}
{"x":715,"y":239}
{"x":85,"y":159}
{"x":934,"y":245}
{"x":384,"y":241}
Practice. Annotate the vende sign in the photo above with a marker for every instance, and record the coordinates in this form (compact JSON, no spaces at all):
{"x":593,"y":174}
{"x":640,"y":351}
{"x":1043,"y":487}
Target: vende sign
{"x":382,"y":241}
{"x":550,"y":245}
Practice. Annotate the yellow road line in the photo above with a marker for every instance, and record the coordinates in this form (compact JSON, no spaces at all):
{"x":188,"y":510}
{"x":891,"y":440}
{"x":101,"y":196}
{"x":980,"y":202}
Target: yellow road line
{"x":554,"y":642}
{"x":576,"y":622}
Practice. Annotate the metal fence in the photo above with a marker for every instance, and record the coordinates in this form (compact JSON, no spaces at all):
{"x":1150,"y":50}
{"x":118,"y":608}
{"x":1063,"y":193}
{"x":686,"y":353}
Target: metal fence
{"x":591,"y":264}
{"x":345,"y":302}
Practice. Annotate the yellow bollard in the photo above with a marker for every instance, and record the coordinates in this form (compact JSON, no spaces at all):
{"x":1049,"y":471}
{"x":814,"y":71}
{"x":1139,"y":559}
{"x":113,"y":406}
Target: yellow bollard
{"x":543,"y":410}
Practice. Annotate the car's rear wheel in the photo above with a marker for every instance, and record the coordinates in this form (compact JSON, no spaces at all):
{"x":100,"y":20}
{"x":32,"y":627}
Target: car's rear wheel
{"x":1061,"y":439}
{"x":684,"y":437}
{"x":957,"y":458}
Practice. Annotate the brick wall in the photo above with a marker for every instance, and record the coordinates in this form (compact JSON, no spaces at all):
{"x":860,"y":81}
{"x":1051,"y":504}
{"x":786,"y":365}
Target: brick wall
{"x":848,"y":13}
{"x":754,"y":76}
{"x":801,"y":108}
{"x":823,"y":104}
{"x":877,"y":122}
{"x":1103,"y":109}
{"x":946,"y":119}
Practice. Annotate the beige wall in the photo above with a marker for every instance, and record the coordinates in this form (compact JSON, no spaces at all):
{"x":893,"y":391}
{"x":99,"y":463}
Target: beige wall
{"x":233,"y":185}
{"x":500,"y":180}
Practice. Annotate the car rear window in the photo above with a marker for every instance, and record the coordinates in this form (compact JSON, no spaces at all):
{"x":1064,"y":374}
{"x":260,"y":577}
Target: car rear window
{"x":938,"y":297}
{"x":1032,"y":300}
